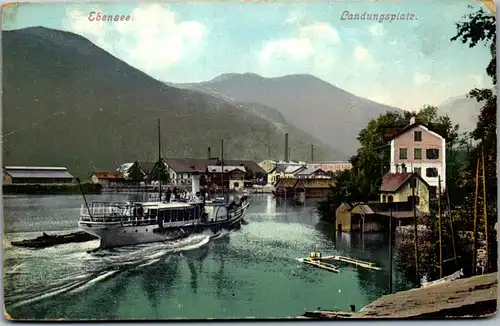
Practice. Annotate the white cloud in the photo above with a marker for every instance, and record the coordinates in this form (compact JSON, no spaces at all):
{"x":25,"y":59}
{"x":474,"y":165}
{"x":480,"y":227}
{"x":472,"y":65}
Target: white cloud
{"x":362,"y":54}
{"x":79,"y":23}
{"x":154,"y":39}
{"x":420,"y":79}
{"x":377,"y":30}
{"x":314,"y":44}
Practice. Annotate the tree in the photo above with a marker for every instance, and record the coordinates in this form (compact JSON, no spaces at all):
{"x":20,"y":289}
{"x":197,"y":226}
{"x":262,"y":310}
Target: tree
{"x":159,"y":172}
{"x":135,"y":173}
{"x":477,"y":28}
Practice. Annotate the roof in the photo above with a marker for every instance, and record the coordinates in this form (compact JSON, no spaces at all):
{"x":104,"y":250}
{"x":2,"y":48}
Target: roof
{"x":200,"y":164}
{"x":293,"y":168}
{"x":392,"y":132}
{"x":125,"y":167}
{"x":362,"y":209}
{"x":399,"y":209}
{"x":147,"y":167}
{"x":391,"y":182}
{"x":38,"y":172}
{"x":310,"y":170}
{"x":109,"y":175}
{"x":315,"y":183}
{"x":218,"y":168}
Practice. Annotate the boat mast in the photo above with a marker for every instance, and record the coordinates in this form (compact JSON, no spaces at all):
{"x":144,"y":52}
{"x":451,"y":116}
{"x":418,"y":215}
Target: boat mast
{"x":159,"y":158}
{"x":84,"y":198}
{"x":222,"y":164}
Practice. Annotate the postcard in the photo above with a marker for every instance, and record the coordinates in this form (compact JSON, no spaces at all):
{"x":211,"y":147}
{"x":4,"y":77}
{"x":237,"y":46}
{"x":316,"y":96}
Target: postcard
{"x":237,"y":159}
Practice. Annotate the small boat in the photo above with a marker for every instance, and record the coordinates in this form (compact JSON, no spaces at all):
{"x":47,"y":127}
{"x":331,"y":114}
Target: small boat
{"x":47,"y":240}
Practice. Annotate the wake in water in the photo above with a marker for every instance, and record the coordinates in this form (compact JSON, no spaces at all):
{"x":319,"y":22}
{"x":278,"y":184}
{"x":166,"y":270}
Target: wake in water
{"x":33,"y":275}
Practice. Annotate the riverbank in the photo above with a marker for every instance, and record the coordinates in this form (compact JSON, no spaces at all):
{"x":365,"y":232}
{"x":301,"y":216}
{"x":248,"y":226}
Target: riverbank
{"x":471,"y":297}
{"x":50,"y":189}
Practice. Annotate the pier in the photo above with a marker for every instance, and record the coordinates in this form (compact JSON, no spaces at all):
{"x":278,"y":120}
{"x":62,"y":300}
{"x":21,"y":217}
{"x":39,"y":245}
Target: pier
{"x":315,"y":259}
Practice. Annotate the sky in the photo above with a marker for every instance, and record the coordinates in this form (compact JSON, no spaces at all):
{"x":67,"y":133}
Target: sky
{"x":404,"y":63}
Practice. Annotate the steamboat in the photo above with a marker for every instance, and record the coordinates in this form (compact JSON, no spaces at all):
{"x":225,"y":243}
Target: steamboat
{"x":128,"y":223}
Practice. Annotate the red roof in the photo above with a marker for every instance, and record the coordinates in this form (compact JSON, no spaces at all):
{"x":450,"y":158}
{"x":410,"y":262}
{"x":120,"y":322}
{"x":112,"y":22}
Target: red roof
{"x":391,"y":182}
{"x":109,"y":175}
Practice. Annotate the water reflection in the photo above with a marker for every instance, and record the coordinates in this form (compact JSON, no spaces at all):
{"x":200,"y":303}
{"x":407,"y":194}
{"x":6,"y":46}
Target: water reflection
{"x":159,"y":280}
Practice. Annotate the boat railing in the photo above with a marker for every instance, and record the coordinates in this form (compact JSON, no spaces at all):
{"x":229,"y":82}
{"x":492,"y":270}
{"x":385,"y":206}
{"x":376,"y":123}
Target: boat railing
{"x":106,"y":210}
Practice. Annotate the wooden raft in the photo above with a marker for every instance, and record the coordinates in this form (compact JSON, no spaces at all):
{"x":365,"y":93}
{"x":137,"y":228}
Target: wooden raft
{"x":315,"y":259}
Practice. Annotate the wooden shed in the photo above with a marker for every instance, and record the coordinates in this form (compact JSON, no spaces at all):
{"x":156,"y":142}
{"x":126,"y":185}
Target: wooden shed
{"x":343,"y":217}
{"x":314,"y":188}
{"x":285,"y":187}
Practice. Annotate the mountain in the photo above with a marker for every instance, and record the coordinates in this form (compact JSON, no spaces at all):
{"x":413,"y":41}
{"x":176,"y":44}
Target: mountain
{"x":306,"y":102}
{"x":67,"y":102}
{"x":462,"y":110}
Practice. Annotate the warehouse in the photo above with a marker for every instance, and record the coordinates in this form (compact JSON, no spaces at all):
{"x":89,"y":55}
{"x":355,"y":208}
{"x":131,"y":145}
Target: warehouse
{"x":36,"y":175}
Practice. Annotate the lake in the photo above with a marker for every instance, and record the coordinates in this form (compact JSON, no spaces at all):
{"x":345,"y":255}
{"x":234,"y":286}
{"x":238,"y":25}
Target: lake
{"x":251,"y":272}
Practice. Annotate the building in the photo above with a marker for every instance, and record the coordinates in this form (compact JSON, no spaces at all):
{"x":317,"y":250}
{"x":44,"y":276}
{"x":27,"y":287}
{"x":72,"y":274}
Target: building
{"x":398,"y":187}
{"x":107,"y":179}
{"x":374,"y":217}
{"x":416,"y":148}
{"x":231,"y":177}
{"x":267,"y":165}
{"x":314,"y":188}
{"x":36,"y":175}
{"x":312,"y":173}
{"x":333,"y":166}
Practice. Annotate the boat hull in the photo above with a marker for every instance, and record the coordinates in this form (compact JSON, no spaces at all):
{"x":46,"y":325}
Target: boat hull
{"x":116,"y":235}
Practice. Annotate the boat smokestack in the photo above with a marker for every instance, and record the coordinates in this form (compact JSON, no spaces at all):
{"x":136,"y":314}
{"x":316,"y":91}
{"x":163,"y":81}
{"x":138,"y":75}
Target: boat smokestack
{"x":195,"y":184}
{"x":209,"y":153}
{"x":287,"y":149}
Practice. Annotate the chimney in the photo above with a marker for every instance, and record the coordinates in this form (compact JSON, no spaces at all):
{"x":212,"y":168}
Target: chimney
{"x":287,"y":151}
{"x":289,"y":154}
{"x":209,"y":154}
{"x":412,"y":120}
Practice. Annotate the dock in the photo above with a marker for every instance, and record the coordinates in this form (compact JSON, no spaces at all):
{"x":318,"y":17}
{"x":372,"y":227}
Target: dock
{"x":315,"y":259}
{"x":319,"y":264}
{"x":352,"y":261}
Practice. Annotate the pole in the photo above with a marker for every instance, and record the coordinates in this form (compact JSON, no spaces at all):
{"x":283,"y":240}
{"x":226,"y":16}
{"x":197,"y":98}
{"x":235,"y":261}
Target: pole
{"x":417,"y":274}
{"x":451,"y":229}
{"x":485,"y":215}
{"x":440,"y":235}
{"x":312,"y":154}
{"x":222,"y":164}
{"x":84,"y":198}
{"x":160,"y":162}
{"x":390,"y":250}
{"x":474,"y":231}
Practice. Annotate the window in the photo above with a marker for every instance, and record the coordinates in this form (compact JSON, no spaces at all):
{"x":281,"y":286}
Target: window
{"x":417,"y":153}
{"x":432,"y":154}
{"x":417,"y":136}
{"x":384,"y":198}
{"x":417,"y":171}
{"x":403,"y":168}
{"x":431,"y":172}
{"x":414,"y":200}
{"x":403,"y":153}
{"x":390,"y":198}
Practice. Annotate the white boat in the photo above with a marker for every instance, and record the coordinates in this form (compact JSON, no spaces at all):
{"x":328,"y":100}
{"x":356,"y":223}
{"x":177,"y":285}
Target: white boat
{"x":128,"y":223}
